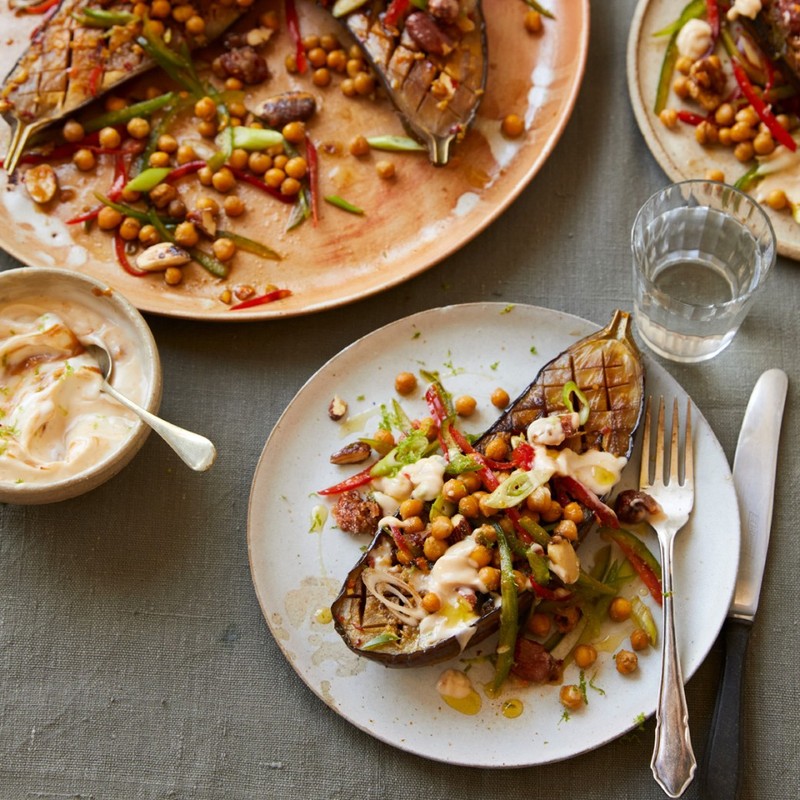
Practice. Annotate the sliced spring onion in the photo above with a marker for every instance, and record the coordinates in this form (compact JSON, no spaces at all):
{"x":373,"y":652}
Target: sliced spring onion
{"x":381,"y":639}
{"x":147,"y":180}
{"x":340,"y":202}
{"x":244,"y":138}
{"x":343,"y":7}
{"x":643,"y":617}
{"x":398,"y":144}
{"x":571,"y":388}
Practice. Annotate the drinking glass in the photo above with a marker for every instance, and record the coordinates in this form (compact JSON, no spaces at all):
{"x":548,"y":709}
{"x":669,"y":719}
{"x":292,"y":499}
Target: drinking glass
{"x":702,"y":250}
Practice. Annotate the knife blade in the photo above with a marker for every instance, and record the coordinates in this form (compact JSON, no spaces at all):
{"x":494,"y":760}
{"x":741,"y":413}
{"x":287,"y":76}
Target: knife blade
{"x":754,"y":468}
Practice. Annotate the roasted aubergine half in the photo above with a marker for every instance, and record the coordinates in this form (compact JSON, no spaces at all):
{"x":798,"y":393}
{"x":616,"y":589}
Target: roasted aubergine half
{"x":492,"y":523}
{"x":431,"y":60}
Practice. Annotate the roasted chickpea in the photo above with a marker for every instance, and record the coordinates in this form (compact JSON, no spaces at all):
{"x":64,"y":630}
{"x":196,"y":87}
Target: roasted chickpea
{"x":205,"y":108}
{"x":84,"y":159}
{"x":195,"y":25}
{"x":552,"y":513}
{"x":73,"y":131}
{"x":571,"y":697}
{"x":182,"y":13}
{"x":239,"y":158}
{"x":490,"y":577}
{"x":512,"y":126}
{"x":500,"y":398}
{"x":163,"y":194}
{"x":668,"y":117}
{"x":627,"y":662}
{"x":539,"y":624}
{"x":129,"y":229}
{"x":224,"y":249}
{"x":434,"y":549}
{"x":274,"y":177}
{"x":471,"y":480}
{"x":138,"y":128}
{"x":233,"y":84}
{"x":186,"y":234}
{"x":158,"y":159}
{"x":566,"y":528}
{"x":160,"y":9}
{"x":539,"y":500}
{"x":355,"y":66}
{"x":148,"y":235}
{"x":310,"y":41}
{"x":743,"y":152}
{"x":364,"y":84}
{"x":533,"y":21}
{"x":465,"y":405}
{"x":206,"y":203}
{"x":585,"y":655}
{"x":725,"y":114}
{"x":337,"y":60}
{"x":233,"y":205}
{"x":290,"y":187}
{"x":441,"y":527}
{"x":296,"y":167}
{"x":414,"y":524}
{"x":385,"y":169}
{"x":410,"y":508}
{"x":223,"y":180}
{"x":714,"y":175}
{"x":469,"y":506}
{"x":431,"y":602}
{"x":405,"y":383}
{"x":573,"y":512}
{"x":280,"y":161}
{"x":348,"y":87}
{"x":114,"y":103}
{"x":321,"y":77}
{"x":497,"y":449}
{"x":173,"y":276}
{"x":259,"y":163}
{"x":359,"y":146}
{"x":108,"y":218}
{"x":294,"y":132}
{"x":763,"y":144}
{"x":481,"y":555}
{"x":777,"y":200}
{"x":639,"y":639}
{"x":317,"y":57}
{"x":109,"y":137}
{"x":453,"y":490}
{"x":185,"y":154}
{"x":383,"y":441}
{"x":620,"y":609}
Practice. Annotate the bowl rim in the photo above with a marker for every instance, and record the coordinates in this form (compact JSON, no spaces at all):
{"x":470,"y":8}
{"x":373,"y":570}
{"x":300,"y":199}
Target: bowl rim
{"x":73,"y":485}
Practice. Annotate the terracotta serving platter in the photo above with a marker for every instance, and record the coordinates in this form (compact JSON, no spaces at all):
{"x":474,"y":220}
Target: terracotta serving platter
{"x":410,"y":222}
{"x":676,"y":151}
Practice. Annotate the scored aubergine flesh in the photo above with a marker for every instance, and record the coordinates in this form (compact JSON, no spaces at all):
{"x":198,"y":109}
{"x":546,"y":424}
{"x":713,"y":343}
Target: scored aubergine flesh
{"x":432,"y":63}
{"x":69,"y":63}
{"x":607,"y":367}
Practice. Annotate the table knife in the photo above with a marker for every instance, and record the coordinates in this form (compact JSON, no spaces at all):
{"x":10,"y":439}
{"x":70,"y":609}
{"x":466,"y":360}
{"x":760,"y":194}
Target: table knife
{"x":754,"y":467}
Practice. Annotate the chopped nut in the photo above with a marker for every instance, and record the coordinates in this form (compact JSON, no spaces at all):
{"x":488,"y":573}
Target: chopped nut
{"x":706,"y":82}
{"x":160,"y":256}
{"x":353,"y":453}
{"x":42,"y":183}
{"x":337,"y":408}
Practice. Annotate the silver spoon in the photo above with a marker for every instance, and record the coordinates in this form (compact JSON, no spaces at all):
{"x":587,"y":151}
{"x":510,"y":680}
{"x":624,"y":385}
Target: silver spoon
{"x":195,"y":450}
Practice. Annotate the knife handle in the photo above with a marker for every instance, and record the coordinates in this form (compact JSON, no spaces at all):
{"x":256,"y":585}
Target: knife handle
{"x":719,"y":774}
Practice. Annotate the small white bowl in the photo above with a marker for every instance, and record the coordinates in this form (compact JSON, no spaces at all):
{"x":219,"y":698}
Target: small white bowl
{"x":71,"y":295}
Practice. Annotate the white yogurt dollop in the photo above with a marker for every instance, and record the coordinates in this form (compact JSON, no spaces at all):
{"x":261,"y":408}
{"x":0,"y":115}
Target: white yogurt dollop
{"x":54,"y":420}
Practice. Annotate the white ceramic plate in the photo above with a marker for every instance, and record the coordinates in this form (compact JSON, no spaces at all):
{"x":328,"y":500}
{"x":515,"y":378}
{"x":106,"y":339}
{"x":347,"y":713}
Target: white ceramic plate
{"x":476,"y":348}
{"x":679,"y":155}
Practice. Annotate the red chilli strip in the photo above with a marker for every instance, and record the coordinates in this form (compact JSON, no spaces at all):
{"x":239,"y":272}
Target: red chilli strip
{"x":122,"y":257}
{"x":293,"y":24}
{"x":712,"y":17}
{"x":262,"y":299}
{"x":94,"y":79}
{"x":183,"y":170}
{"x":690,"y":118}
{"x":353,"y":482}
{"x":114,"y":193}
{"x":649,"y":578}
{"x":395,"y":10}
{"x":548,"y":594}
{"x":765,"y":115}
{"x":313,"y":178}
{"x":42,"y":8}
{"x":586,"y":496}
{"x":436,"y":404}
{"x":246,"y":177}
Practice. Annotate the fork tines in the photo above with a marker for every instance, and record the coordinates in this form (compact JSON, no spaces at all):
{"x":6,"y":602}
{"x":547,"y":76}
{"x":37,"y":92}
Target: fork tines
{"x":674,"y":454}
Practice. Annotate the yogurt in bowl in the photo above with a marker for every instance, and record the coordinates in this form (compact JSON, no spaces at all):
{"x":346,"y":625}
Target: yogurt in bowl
{"x":60,"y":434}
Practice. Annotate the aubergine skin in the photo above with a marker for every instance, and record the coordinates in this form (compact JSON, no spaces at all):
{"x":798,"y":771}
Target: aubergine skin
{"x":607,"y":367}
{"x":777,"y":28}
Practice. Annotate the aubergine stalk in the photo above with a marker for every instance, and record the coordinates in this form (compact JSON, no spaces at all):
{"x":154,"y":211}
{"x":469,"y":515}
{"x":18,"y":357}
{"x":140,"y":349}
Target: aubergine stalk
{"x":432,"y":63}
{"x":381,"y":612}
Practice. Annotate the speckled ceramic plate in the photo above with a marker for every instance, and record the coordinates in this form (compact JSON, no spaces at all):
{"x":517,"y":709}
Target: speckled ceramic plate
{"x":679,"y":155}
{"x":411,"y":222}
{"x":296,"y":573}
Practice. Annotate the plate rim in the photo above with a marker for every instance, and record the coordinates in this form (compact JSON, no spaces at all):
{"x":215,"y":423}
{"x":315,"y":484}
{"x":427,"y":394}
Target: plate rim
{"x":488,"y":306}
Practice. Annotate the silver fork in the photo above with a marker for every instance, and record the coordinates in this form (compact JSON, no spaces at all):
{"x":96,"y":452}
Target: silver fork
{"x":673,"y":761}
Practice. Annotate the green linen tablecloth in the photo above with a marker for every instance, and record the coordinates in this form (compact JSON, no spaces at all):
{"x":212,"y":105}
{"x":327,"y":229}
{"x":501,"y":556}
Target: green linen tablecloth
{"x":134,"y":659}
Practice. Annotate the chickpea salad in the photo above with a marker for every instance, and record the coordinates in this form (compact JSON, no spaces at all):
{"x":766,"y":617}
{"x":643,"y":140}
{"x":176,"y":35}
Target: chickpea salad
{"x":462,"y":530}
{"x":234,"y":152}
{"x":729,"y":79}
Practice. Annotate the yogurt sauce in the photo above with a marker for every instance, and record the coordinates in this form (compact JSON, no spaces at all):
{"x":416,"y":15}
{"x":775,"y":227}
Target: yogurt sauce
{"x":55,"y":422}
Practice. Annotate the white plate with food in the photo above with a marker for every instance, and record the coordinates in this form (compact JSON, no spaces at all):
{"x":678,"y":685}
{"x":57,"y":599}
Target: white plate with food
{"x":409,"y":221}
{"x":299,"y":558}
{"x":675,"y":147}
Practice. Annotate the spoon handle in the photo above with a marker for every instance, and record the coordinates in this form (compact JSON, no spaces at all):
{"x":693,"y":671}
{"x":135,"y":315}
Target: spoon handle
{"x":194,"y":450}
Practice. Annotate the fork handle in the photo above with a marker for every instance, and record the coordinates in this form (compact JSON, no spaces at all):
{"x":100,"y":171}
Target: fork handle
{"x":673,"y":762}
{"x":720,"y":770}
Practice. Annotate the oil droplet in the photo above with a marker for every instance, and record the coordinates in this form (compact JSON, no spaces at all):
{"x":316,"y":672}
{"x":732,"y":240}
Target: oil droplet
{"x":457,"y":691}
{"x":470,"y":705}
{"x":512,"y":708}
{"x":323,"y":615}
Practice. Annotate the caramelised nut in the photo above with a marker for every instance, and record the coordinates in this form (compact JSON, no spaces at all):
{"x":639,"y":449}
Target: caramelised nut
{"x":353,"y":453}
{"x":42,"y":183}
{"x":337,"y":408}
{"x":160,"y":256}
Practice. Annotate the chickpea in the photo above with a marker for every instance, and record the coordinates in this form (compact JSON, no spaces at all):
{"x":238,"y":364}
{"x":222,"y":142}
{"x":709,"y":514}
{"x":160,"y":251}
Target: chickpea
{"x":337,"y":60}
{"x":620,"y":609}
{"x":481,"y":555}
{"x":639,"y":639}
{"x":129,"y":229}
{"x":410,"y":508}
{"x":684,"y":64}
{"x":233,"y":84}
{"x":485,"y":509}
{"x":414,"y":524}
{"x":269,"y":19}
{"x":207,"y":128}
{"x":206,"y":203}
{"x":114,"y":103}
{"x":163,"y":194}
{"x":205,"y":108}
{"x":552,"y":513}
{"x":160,"y":9}
{"x":434,"y":549}
{"x":571,"y":697}
{"x":743,"y":152}
{"x":176,"y":208}
{"x":359,"y":146}
{"x":533,"y":21}
{"x":574,"y":512}
{"x":763,"y":144}
{"x":259,"y":163}
{"x":405,"y":383}
{"x":186,"y":234}
{"x":224,"y":249}
{"x":364,"y":84}
{"x":500,"y":398}
{"x":748,"y":115}
{"x":469,"y":506}
{"x":441,"y":527}
{"x":296,"y":167}
{"x":681,"y":86}
{"x":108,"y":218}
{"x":290,"y":63}
{"x":355,"y":65}
{"x":310,"y":41}
{"x":453,"y":490}
{"x":471,"y":481}
{"x":280,"y":161}
{"x":465,"y":405}
{"x":348,"y":87}
{"x":490,"y":577}
{"x":385,"y":170}
{"x":725,"y":137}
{"x":148,"y":235}
{"x":668,"y":117}
{"x":539,"y":624}
{"x":223,"y":180}
{"x":539,"y":500}
{"x":182,"y":13}
{"x":138,"y":128}
{"x":84,"y":159}
{"x":486,"y":535}
{"x":566,"y":528}
{"x":724,"y":115}
{"x":158,"y":159}
{"x":777,"y":200}
{"x":317,"y":57}
{"x":512,"y":126}
{"x":741,"y":132}
{"x":321,"y":77}
{"x":294,"y":132}
{"x":384,"y":441}
{"x":233,"y":205}
{"x":109,"y":137}
{"x":196,"y":25}
{"x":237,"y":109}
{"x":585,"y":655}
{"x":290,"y":187}
{"x":627,"y":662}
{"x":185,"y":153}
{"x":715,"y":175}
{"x":497,"y":449}
{"x":404,"y":558}
{"x":72,"y":131}
{"x":328,"y":42}
{"x":706,"y":133}
{"x":173,"y":276}
{"x":431,"y":602}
